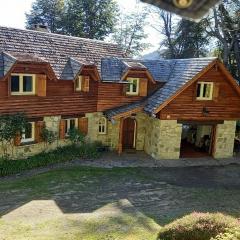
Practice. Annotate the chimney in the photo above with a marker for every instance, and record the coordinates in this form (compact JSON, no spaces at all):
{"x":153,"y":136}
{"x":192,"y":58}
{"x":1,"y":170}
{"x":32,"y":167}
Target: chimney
{"x":40,"y":27}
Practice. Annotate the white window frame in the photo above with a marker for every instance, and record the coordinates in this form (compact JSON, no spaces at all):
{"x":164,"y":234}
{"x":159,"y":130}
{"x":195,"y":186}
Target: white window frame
{"x":68,"y":124}
{"x":79,"y":80}
{"x":201,"y":97}
{"x":102,"y":126}
{"x":32,"y":139}
{"x":21,"y":92}
{"x":130,"y":81}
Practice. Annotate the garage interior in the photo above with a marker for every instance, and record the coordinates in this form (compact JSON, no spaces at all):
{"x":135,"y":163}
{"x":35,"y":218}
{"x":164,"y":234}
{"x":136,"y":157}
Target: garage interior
{"x":197,"y":141}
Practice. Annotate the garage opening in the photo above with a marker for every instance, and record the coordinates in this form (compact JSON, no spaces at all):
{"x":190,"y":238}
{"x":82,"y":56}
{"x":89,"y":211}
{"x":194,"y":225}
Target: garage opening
{"x":197,"y":141}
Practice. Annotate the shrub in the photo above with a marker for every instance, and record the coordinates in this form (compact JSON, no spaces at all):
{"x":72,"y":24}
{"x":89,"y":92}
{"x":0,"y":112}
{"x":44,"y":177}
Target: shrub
{"x":75,"y":136}
{"x":48,"y":136}
{"x":231,"y":234}
{"x":61,"y":154}
{"x":198,"y":226}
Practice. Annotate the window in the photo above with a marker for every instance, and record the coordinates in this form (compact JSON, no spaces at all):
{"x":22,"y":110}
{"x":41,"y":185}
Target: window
{"x":70,"y":124}
{"x":22,"y":84}
{"x":102,"y":125}
{"x":132,"y":86}
{"x":79,"y":81}
{"x":28,"y":133}
{"x":204,"y":91}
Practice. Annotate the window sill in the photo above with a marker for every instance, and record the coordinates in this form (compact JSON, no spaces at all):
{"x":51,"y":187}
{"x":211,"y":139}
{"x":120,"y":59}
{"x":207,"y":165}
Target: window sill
{"x":27,"y":143}
{"x":32,"y":94}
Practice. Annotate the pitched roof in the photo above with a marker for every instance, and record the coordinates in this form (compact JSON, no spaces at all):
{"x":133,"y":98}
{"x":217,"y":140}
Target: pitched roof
{"x":55,"y":48}
{"x":112,"y":113}
{"x":112,"y":69}
{"x":196,"y":10}
{"x":6,"y":63}
{"x":183,"y":70}
{"x":177,"y":73}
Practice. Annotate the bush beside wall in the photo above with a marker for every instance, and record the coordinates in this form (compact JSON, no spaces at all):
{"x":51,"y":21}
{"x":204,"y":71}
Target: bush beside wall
{"x":61,"y":154}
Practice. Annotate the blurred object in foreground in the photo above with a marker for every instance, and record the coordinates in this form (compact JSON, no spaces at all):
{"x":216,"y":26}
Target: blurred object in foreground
{"x":193,"y":9}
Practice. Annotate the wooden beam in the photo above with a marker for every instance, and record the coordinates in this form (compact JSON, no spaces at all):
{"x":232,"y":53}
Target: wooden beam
{"x":192,"y":122}
{"x":120,"y":148}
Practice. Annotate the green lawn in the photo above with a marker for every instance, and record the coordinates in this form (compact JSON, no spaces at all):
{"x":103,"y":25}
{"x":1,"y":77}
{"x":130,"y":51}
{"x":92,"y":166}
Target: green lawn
{"x":110,"y":204}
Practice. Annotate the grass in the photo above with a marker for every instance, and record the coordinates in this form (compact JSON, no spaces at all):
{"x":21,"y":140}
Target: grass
{"x":104,"y":204}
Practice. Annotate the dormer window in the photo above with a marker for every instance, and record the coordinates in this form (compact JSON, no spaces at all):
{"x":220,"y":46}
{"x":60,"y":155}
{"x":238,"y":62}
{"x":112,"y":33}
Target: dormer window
{"x":22,"y":84}
{"x":79,"y":82}
{"x":82,"y":83}
{"x":132,"y":86}
{"x":204,"y":91}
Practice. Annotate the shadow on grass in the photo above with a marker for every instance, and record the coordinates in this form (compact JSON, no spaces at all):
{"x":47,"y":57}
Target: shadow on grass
{"x":161,"y":194}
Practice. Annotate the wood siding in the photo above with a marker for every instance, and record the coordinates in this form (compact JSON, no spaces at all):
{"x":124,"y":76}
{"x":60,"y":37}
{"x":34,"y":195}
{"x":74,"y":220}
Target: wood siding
{"x":224,"y":106}
{"x":60,"y":99}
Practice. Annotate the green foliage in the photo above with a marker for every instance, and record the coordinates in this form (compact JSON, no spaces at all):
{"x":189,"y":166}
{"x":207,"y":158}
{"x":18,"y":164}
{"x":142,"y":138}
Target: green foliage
{"x":129,"y":33}
{"x":231,"y":234}
{"x":191,"y":39}
{"x":10,"y":126}
{"x":48,"y":136}
{"x":81,"y":18}
{"x":59,"y":155}
{"x":75,"y":136}
{"x":47,"y":12}
{"x":198,"y":226}
{"x":90,"y":18}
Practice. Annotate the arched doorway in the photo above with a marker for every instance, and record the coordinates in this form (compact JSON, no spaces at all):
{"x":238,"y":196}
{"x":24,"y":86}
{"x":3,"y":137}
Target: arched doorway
{"x":129,"y":133}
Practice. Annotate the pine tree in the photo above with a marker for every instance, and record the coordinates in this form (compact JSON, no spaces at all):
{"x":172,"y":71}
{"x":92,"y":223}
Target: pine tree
{"x":191,"y":39}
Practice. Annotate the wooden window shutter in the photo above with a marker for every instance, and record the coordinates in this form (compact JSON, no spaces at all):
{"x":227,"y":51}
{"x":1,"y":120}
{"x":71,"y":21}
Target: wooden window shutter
{"x":41,"y":85}
{"x":17,"y":140}
{"x":216,"y":89}
{"x":85,"y":82}
{"x":62,"y":129}
{"x":143,"y":87}
{"x":125,"y":89}
{"x":83,"y":125}
{"x":38,"y":131}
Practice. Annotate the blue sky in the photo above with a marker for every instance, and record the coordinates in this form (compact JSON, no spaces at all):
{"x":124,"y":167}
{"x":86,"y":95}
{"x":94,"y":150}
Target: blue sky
{"x":12,"y":14}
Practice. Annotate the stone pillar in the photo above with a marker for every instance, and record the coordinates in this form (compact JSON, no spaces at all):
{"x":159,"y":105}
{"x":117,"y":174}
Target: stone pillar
{"x":163,"y":139}
{"x":52,"y":123}
{"x":224,"y":140}
{"x":142,"y":123}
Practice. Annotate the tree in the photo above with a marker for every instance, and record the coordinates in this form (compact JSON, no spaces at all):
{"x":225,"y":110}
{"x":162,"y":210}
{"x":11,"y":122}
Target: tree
{"x":224,"y":25}
{"x":129,"y":33}
{"x":191,"y":39}
{"x":166,"y":27}
{"x":90,"y":18}
{"x":46,"y":12}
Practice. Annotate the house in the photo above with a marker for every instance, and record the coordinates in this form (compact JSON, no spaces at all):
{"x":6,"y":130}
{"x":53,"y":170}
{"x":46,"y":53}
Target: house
{"x":168,"y":108}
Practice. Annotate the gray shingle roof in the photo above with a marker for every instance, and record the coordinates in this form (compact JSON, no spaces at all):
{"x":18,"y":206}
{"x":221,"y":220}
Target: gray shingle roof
{"x":56,"y":48}
{"x":183,"y":70}
{"x":196,"y":11}
{"x":6,"y":62}
{"x":112,"y":69}
{"x":126,"y":108}
{"x":73,"y":67}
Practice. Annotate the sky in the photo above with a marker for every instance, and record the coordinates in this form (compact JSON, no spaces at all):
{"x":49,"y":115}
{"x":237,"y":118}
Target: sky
{"x":12,"y":14}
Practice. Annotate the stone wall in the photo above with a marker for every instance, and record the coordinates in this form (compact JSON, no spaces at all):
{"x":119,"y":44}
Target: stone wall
{"x":142,"y":123}
{"x":110,"y":138}
{"x":163,"y":139}
{"x":224,"y":144}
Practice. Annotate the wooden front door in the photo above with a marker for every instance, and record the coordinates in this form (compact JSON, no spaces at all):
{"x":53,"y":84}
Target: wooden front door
{"x":128,"y":133}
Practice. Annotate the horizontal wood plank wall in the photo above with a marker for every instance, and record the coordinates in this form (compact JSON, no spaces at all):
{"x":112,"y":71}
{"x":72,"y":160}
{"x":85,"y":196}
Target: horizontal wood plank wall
{"x":111,"y":95}
{"x":61,"y":98}
{"x":185,"y":107}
